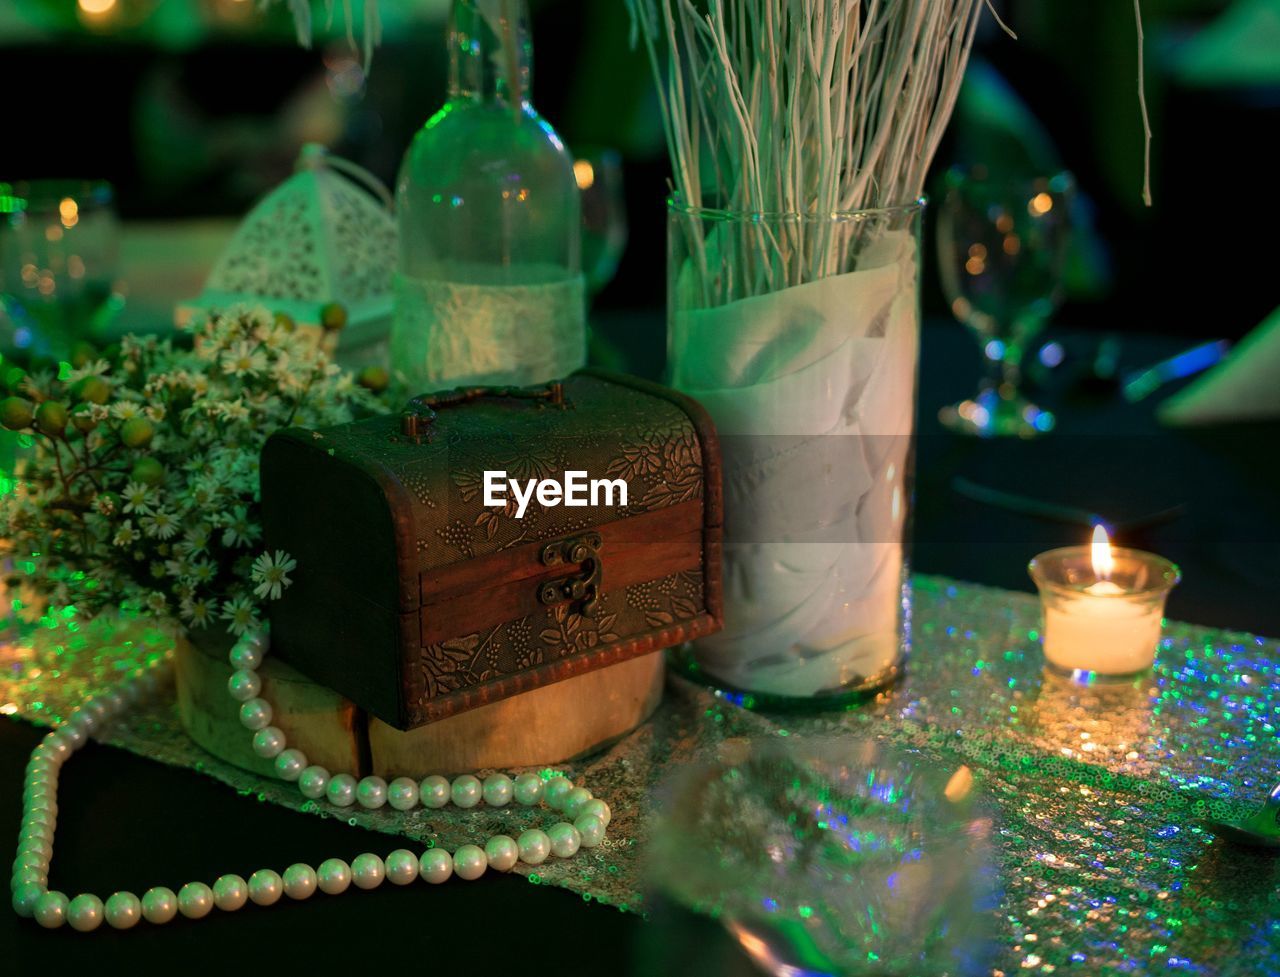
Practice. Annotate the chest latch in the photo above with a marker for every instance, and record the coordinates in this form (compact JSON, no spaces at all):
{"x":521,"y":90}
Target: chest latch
{"x":583,"y":549}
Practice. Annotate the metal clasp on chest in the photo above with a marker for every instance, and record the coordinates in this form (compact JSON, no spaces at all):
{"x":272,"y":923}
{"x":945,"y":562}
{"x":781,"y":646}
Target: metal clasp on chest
{"x":582,"y":586}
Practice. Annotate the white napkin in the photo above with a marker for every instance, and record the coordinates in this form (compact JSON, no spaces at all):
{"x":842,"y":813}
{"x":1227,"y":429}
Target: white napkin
{"x":812,"y":389}
{"x":1243,"y":387}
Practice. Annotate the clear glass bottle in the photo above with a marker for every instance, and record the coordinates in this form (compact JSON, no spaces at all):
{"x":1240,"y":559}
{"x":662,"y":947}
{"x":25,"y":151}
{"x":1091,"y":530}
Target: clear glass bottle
{"x":489,"y":287}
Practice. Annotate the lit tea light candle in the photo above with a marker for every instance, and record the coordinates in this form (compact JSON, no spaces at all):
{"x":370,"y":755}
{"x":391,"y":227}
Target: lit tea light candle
{"x":1103,"y":607}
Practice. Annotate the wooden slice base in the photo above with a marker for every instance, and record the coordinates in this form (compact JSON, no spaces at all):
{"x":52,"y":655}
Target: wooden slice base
{"x":544,"y":727}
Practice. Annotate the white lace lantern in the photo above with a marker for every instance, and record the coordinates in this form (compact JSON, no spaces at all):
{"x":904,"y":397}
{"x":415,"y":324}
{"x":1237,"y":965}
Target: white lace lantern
{"x":317,"y":239}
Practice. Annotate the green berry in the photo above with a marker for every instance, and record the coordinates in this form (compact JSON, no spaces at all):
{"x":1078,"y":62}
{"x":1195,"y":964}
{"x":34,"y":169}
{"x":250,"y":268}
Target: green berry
{"x":333,"y":316}
{"x":16,"y":413}
{"x":51,"y":418}
{"x":82,"y":418}
{"x":147,"y":471}
{"x":92,"y":390}
{"x":137,"y":432}
{"x":12,"y":378}
{"x":374,"y":378}
{"x":82,"y":352}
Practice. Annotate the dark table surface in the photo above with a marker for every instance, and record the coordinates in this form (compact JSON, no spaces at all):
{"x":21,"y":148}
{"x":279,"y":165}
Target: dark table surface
{"x":125,"y":822}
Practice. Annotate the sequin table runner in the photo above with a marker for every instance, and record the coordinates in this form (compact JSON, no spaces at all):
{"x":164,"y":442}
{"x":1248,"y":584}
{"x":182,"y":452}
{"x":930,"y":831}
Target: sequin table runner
{"x":1100,"y":791}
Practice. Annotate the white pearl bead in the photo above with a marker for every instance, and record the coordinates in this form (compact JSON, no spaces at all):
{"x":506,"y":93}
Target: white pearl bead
{"x":75,"y":735}
{"x":300,"y":881}
{"x":599,"y":809}
{"x":498,"y":790}
{"x":529,"y":789}
{"x":434,"y":791}
{"x":590,"y":829}
{"x":565,"y":839}
{"x":230,"y":892}
{"x":159,"y":905}
{"x":265,"y":887}
{"x":25,"y":897}
{"x":260,"y":639}
{"x":534,"y":846}
{"x":333,"y":876}
{"x":244,"y":685}
{"x":466,"y":792}
{"x":114,"y":702}
{"x":341,"y":791}
{"x":555,"y":790}
{"x":575,"y":801}
{"x":314,"y":782}
{"x":195,"y":900}
{"x":255,"y":714}
{"x":123,"y":910}
{"x":56,"y":747}
{"x":85,"y":913}
{"x":100,"y":712}
{"x":290,"y":764}
{"x":435,"y":866}
{"x":367,"y":871}
{"x":469,"y":862}
{"x":402,"y":866}
{"x":28,"y":876}
{"x":502,"y":853}
{"x":245,"y":655}
{"x":29,"y":859}
{"x":269,"y":743}
{"x":402,"y":793}
{"x":51,"y":910}
{"x":371,"y":792}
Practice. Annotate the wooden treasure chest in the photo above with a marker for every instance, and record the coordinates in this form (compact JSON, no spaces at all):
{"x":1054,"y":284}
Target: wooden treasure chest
{"x":486,"y":543}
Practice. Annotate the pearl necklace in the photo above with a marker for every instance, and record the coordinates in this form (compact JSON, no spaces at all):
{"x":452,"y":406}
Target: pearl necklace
{"x":587,"y":817}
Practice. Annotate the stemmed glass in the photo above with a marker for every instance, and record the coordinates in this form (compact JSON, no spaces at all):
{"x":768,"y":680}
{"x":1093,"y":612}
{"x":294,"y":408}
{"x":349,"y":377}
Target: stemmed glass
{"x":1002,"y":245}
{"x":830,"y":856}
{"x":58,"y":252}
{"x":604,"y":215}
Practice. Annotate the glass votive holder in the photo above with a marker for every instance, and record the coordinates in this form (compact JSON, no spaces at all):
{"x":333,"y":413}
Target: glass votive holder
{"x":1102,"y":628}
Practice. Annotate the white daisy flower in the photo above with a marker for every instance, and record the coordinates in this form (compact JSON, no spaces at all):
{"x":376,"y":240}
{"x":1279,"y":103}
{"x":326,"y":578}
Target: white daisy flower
{"x":239,"y":615}
{"x":239,"y":529}
{"x":137,"y":498}
{"x":163,"y":524}
{"x":244,"y":358}
{"x":125,"y":410}
{"x":126,"y":535}
{"x":271,"y":573}
{"x":197,"y":611}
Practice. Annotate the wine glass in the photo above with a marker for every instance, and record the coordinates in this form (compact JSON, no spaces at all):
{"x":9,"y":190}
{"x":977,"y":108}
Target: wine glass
{"x":830,"y":856}
{"x":1002,"y":245}
{"x":604,"y":215}
{"x":59,"y":243}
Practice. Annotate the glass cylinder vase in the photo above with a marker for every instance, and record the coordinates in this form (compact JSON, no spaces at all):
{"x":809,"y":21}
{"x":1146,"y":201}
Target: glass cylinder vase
{"x":800,"y":335}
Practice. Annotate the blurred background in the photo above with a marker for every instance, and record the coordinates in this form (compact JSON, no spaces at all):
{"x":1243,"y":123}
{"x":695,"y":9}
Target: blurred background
{"x":193,"y":109}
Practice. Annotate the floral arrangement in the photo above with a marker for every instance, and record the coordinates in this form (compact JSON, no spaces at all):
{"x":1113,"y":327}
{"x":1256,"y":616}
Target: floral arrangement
{"x":140,"y":485}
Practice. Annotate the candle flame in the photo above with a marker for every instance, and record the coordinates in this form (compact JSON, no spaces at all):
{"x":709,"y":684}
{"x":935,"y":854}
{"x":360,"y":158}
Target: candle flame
{"x":1103,"y":562}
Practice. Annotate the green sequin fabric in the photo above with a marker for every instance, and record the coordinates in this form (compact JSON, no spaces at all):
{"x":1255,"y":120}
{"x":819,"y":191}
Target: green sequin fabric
{"x":1101,"y":792}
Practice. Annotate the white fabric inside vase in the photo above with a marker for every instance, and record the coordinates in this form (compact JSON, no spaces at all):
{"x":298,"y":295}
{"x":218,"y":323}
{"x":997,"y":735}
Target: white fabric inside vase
{"x":812,"y":389}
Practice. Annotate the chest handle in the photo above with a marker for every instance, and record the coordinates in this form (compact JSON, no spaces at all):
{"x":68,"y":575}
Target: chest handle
{"x":420,"y":413}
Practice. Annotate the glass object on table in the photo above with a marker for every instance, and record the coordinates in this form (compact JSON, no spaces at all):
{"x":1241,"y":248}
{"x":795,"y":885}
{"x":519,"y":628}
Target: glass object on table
{"x":59,"y":244}
{"x":832,"y":855}
{"x":489,"y":287}
{"x":604,"y":215}
{"x":1002,"y":246}
{"x":799,"y":334}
